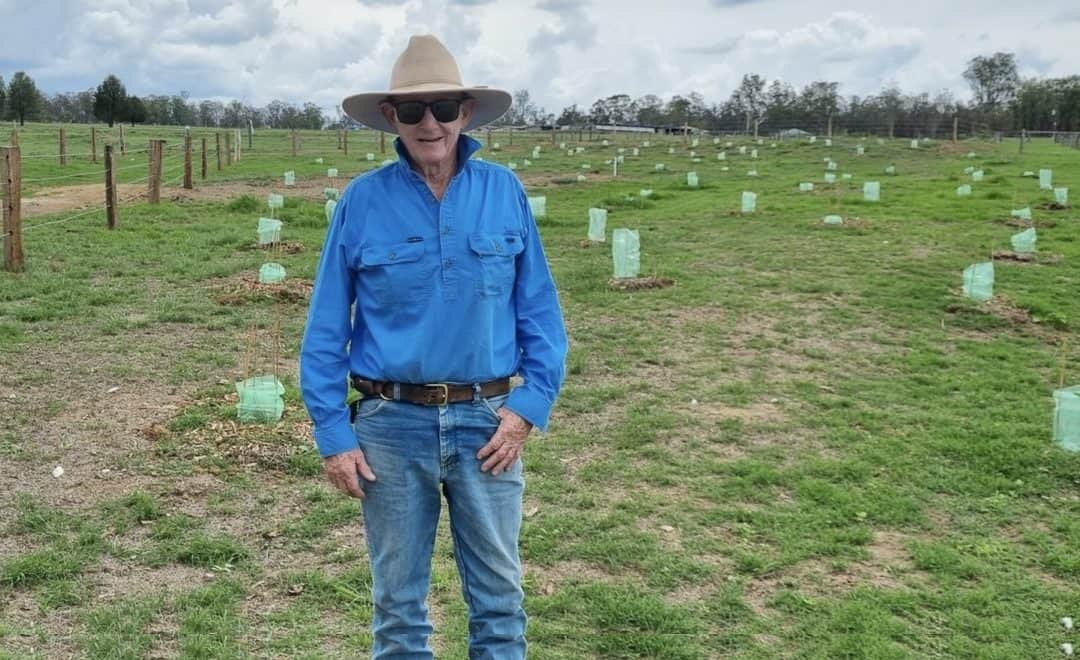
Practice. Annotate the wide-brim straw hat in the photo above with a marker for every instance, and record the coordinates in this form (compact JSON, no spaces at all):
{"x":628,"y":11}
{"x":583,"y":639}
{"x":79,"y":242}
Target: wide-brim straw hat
{"x":426,"y":67}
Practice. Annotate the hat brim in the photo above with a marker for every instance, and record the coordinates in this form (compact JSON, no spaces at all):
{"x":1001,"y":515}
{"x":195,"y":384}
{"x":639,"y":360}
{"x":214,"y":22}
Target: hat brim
{"x":490,"y":104}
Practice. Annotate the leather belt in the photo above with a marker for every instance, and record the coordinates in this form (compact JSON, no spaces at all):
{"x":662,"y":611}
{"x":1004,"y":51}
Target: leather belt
{"x":431,"y":394}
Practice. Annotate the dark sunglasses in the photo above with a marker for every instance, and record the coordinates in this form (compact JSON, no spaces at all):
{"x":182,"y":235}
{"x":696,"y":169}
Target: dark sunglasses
{"x":412,"y":112}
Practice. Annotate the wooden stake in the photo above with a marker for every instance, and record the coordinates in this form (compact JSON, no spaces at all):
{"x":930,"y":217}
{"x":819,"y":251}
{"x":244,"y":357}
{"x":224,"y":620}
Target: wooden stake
{"x":294,"y":143}
{"x":187,"y":161}
{"x":217,"y":139}
{"x":382,"y":142}
{"x":11,"y":181}
{"x":93,"y":144}
{"x":110,"y":188}
{"x":123,"y":145}
{"x":203,"y":156}
{"x":228,"y":147}
{"x":153,"y":185}
{"x":63,"y":147}
{"x":955,"y":129}
{"x":345,"y":142}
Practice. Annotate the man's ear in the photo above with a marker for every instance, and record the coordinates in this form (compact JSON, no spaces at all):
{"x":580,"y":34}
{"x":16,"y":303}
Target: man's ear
{"x":387,"y":111}
{"x":467,"y":107}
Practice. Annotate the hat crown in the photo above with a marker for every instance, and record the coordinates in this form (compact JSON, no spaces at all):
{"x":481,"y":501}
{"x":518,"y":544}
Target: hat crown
{"x":425,"y":61}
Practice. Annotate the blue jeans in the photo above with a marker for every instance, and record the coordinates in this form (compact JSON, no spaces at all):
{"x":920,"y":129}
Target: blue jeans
{"x":414,"y":451}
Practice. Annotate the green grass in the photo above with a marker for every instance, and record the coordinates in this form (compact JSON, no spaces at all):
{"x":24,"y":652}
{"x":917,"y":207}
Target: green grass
{"x":811,"y":445}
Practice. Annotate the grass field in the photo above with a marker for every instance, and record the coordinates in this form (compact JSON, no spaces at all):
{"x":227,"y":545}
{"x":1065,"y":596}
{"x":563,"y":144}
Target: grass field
{"x":812,"y":445}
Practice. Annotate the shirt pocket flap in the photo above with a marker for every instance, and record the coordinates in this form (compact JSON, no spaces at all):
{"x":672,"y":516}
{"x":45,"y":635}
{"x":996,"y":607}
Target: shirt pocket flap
{"x":496,"y":245}
{"x":396,"y":253}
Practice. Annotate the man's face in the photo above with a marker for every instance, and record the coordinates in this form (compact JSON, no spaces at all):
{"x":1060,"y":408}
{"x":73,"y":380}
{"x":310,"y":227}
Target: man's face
{"x":429,"y":142}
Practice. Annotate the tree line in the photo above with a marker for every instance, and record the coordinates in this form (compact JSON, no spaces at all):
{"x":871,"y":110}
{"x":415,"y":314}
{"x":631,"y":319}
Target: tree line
{"x":110,"y":103}
{"x":1001,"y":101}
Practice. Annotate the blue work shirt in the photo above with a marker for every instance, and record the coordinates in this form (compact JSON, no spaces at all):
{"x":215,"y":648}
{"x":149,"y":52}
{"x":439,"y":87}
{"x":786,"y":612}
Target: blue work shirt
{"x":451,"y":291}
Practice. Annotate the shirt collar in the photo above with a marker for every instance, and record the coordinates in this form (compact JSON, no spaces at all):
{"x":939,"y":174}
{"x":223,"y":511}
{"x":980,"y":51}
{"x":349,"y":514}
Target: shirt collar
{"x":466,"y":147}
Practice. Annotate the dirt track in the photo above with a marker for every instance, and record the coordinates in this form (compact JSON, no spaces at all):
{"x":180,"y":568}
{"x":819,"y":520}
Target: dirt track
{"x":73,"y":198}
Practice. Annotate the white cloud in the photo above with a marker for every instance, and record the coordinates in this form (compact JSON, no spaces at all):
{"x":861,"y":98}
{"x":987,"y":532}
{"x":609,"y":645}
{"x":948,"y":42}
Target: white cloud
{"x":563,"y":51}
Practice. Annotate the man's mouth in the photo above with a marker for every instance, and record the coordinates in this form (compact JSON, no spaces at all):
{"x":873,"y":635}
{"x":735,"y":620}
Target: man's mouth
{"x":430,"y":139}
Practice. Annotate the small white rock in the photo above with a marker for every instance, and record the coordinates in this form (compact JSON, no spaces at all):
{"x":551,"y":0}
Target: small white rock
{"x":1067,"y":648}
{"x":693,"y":402}
{"x":58,"y":471}
{"x":113,"y":389}
{"x":1067,"y":622}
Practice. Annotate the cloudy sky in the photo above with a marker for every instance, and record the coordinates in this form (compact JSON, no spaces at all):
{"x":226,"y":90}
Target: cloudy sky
{"x":562,"y":51}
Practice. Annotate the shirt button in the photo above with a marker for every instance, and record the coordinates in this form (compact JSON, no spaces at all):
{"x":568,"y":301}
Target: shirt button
{"x":446,"y":230}
{"x":448,"y":263}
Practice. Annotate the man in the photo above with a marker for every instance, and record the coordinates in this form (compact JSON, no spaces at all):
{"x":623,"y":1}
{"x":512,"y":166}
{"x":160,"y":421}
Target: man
{"x":442,"y":259}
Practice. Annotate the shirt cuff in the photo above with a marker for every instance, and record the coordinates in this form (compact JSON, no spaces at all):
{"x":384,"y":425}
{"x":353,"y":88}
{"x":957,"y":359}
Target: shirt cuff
{"x":530,"y":405}
{"x":335,"y":439}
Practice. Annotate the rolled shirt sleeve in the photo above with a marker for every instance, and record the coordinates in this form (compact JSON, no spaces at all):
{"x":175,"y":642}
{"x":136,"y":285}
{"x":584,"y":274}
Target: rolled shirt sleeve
{"x":541,"y":333}
{"x":324,"y":359}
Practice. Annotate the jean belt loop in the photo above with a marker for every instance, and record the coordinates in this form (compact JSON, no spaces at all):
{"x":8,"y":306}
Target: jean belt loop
{"x":397,"y":391}
{"x":476,"y":392}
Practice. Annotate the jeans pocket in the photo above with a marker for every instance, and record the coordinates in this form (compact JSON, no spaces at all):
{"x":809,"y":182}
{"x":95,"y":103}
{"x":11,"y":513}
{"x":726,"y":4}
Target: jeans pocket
{"x":492,"y":405}
{"x":369,"y":406}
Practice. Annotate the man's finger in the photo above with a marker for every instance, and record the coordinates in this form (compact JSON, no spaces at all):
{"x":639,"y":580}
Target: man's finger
{"x":363,"y":468}
{"x":493,"y":444}
{"x":498,"y":457}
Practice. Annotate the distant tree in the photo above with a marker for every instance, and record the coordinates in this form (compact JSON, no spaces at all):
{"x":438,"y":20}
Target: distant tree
{"x":181,"y":113}
{"x":891,"y":102}
{"x":993,"y":80}
{"x":110,"y":100}
{"x":820,"y":100}
{"x":3,"y":97}
{"x":571,"y":116}
{"x":312,"y":116}
{"x":210,"y":113}
{"x":135,"y":111}
{"x":23,"y":99}
{"x":650,"y":110}
{"x":751,"y":99}
{"x":780,"y":101}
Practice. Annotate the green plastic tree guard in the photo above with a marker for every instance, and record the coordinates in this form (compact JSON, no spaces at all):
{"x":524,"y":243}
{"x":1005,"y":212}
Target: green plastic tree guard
{"x":1024,"y":242}
{"x":331,"y":206}
{"x":871,"y":191}
{"x":1067,"y":418}
{"x":1046,"y":179}
{"x":538,"y":206}
{"x":269,"y":231}
{"x":260,"y":399}
{"x":1061,"y":196}
{"x":597,"y":224}
{"x":979,"y":281}
{"x":626,"y":252}
{"x":749,"y":202}
{"x":271,"y":273}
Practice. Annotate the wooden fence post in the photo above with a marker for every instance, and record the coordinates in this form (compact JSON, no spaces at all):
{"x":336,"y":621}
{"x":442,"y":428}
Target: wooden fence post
{"x":228,"y":147}
{"x":63,"y":147}
{"x":93,"y":144}
{"x":14,"y":137}
{"x":955,"y":129}
{"x":488,"y":144}
{"x":251,"y":134}
{"x":187,"y":161}
{"x":11,"y":181}
{"x":239,"y":144}
{"x":217,"y":139}
{"x":510,"y":131}
{"x":340,"y":132}
{"x":294,"y":143}
{"x":110,"y":188}
{"x":345,"y":142}
{"x":154,"y":184}
{"x":203,"y":159}
{"x":1023,"y":138}
{"x":382,"y":142}
{"x":829,"y":132}
{"x":123,"y":145}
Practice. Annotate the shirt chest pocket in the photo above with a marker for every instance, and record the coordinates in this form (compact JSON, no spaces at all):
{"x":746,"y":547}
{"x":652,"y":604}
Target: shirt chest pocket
{"x":396,"y":273}
{"x":496,"y":255}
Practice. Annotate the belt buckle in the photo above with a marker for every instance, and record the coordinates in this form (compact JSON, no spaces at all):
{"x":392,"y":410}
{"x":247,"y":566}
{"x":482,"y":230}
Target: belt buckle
{"x":445,"y":393}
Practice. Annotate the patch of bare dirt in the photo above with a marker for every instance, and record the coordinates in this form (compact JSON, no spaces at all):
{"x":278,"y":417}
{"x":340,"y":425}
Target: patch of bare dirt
{"x":639,"y":283}
{"x":61,"y":199}
{"x":245,"y":288}
{"x":1009,"y":255}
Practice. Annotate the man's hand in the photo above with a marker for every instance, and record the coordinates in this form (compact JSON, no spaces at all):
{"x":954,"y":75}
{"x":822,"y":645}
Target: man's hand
{"x":342,"y":470}
{"x":506,"y":445}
